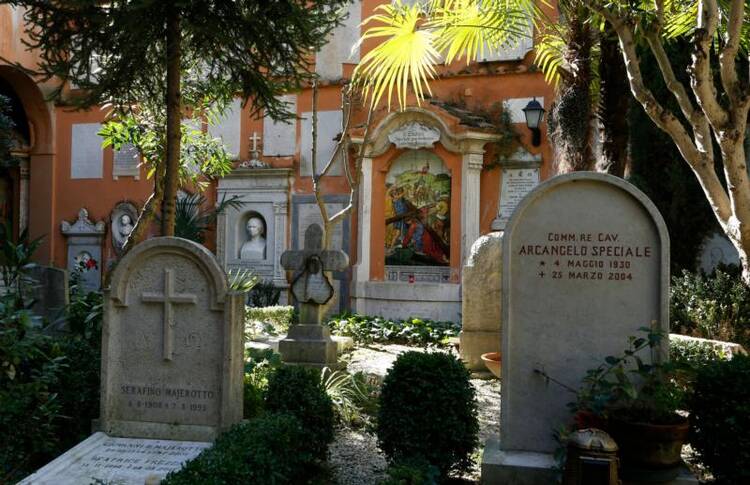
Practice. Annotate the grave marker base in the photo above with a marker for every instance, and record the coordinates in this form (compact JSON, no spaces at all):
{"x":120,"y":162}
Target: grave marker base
{"x":123,"y":461}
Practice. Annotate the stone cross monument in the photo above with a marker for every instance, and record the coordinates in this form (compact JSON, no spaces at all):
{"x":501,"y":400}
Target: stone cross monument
{"x":309,"y":343}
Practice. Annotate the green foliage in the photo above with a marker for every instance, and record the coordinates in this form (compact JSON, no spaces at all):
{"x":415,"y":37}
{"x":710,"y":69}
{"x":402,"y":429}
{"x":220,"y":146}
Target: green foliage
{"x":629,"y":388}
{"x":272,"y":320}
{"x":259,"y":364}
{"x":264,"y":294}
{"x":242,"y":280}
{"x":428,"y":411}
{"x":693,"y":355}
{"x":412,"y":331}
{"x":49,"y":387}
{"x":299,"y":391}
{"x":268,"y":450}
{"x":15,"y":257}
{"x":714,"y":307}
{"x":6,"y":133}
{"x":411,"y":472}
{"x":354,"y":397}
{"x":720,"y":418}
{"x":193,"y":219}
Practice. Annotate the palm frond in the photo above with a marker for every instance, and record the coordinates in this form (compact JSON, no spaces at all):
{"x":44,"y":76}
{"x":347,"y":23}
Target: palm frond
{"x":550,"y":56}
{"x":405,"y":54}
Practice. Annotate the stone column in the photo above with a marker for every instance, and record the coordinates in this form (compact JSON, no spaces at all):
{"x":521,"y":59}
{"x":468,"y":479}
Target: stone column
{"x":471,"y":171}
{"x":23,"y":195}
{"x":280,"y":212}
{"x":364,"y":223}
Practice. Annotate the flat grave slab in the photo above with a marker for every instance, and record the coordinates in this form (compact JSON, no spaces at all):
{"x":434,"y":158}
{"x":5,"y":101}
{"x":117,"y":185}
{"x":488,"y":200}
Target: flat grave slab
{"x":116,"y":461}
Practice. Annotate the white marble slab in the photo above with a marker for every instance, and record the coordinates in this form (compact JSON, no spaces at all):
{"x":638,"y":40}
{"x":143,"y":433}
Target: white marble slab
{"x":228,"y":128}
{"x":120,"y":461}
{"x":329,"y":126}
{"x":279,"y":138}
{"x":339,"y":48}
{"x":125,"y":162}
{"x":86,"y":155}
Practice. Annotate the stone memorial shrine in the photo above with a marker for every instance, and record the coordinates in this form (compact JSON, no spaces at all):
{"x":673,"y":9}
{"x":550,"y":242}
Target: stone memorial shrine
{"x":309,"y":342}
{"x":122,"y":222}
{"x":84,"y":240}
{"x":254,"y":235}
{"x":172,"y":366}
{"x":585,"y":265}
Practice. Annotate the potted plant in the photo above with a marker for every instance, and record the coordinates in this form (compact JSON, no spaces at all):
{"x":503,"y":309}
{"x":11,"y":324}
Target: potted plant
{"x":638,"y":404}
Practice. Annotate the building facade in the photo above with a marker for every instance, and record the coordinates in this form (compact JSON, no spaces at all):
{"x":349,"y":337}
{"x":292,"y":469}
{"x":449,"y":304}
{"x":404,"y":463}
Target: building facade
{"x":433,"y":177}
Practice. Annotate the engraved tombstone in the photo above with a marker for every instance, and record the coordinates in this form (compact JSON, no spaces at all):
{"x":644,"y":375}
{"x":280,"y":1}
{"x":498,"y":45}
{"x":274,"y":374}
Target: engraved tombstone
{"x":172,"y":345}
{"x":585,"y":265}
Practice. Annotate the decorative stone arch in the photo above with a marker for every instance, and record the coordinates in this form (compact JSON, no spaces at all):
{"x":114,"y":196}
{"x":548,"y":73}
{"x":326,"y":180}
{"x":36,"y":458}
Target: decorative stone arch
{"x":200,"y":256}
{"x":445,"y":132}
{"x":36,"y":170}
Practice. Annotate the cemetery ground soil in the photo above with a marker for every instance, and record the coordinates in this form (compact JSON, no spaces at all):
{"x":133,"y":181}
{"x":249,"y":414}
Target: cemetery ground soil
{"x":355,"y":457}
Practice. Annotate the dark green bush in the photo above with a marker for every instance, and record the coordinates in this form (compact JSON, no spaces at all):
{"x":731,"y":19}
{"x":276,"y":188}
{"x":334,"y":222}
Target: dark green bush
{"x":713,"y":307}
{"x":264,"y":294}
{"x":269,"y":450}
{"x":720,"y":418}
{"x":259,"y":364}
{"x":412,"y":331}
{"x":411,"y":472}
{"x":428,"y":410}
{"x":298,"y":391}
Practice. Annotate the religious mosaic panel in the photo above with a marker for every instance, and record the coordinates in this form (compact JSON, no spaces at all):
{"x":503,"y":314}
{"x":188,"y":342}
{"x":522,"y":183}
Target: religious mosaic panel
{"x":417,"y":211}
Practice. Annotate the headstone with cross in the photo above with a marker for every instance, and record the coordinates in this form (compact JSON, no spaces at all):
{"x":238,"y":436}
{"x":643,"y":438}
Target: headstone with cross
{"x":172,"y":353}
{"x":309,"y":343}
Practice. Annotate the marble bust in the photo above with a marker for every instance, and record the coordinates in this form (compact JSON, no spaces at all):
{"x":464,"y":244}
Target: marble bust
{"x":255,"y":246}
{"x":123,"y":221}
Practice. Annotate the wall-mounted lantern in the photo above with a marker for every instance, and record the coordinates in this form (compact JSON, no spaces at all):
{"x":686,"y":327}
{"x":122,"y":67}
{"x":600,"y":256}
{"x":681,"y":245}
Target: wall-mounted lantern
{"x":534,"y":113}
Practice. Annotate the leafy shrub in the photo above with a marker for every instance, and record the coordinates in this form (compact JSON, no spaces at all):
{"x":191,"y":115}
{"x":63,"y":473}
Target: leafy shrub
{"x":412,"y":331}
{"x":259,"y":364}
{"x":694,"y":354}
{"x":411,"y":472}
{"x":713,"y":307}
{"x":269,"y":450}
{"x":354,"y":396}
{"x":273,"y":320}
{"x":30,"y":369}
{"x":264,"y":294}
{"x":428,"y":410}
{"x":720,"y":418}
{"x":299,"y":391}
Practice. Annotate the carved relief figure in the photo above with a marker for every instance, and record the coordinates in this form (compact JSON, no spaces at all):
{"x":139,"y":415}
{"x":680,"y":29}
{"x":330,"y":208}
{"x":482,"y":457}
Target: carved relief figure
{"x":123,"y":221}
{"x":255,"y":246}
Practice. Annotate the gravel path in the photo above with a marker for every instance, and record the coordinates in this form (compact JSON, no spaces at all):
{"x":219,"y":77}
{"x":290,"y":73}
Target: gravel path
{"x":355,"y":457}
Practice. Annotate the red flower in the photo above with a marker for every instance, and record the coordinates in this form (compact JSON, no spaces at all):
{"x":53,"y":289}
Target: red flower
{"x":90,"y":263}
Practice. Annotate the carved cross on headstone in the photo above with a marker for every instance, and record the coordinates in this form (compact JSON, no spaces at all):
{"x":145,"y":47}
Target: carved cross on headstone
{"x":168,"y":298}
{"x":310,"y":286}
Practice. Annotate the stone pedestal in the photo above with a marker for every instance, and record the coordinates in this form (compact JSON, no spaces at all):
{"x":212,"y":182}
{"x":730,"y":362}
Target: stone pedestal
{"x":309,"y":345}
{"x":480,"y":307}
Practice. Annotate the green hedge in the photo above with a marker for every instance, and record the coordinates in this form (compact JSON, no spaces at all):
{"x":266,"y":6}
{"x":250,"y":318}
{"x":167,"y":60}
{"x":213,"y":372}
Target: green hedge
{"x":720,"y":418}
{"x":713,"y":307}
{"x":268,"y":450}
{"x":273,"y":320}
{"x":412,"y":331}
{"x":428,"y":412}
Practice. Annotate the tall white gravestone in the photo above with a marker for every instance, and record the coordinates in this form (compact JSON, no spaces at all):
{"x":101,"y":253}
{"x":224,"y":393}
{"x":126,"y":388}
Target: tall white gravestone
{"x":585,"y":265}
{"x":172,"y":351}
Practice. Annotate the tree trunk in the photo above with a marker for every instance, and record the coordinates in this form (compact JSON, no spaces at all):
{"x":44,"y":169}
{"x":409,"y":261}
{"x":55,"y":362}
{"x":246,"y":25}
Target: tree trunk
{"x":174,"y":116}
{"x":571,"y":114}
{"x":613,"y":105}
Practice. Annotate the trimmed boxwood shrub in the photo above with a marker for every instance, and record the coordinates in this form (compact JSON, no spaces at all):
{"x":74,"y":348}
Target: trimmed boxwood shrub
{"x":268,"y":450}
{"x":720,"y":418}
{"x":428,"y":410}
{"x":298,"y":391}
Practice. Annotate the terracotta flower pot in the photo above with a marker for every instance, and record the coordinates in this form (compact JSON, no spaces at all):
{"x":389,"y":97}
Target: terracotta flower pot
{"x":493,"y":362}
{"x":649,"y":452}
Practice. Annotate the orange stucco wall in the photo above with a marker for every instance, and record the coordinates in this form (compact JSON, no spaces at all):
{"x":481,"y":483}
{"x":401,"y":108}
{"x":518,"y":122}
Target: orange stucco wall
{"x":55,"y":196}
